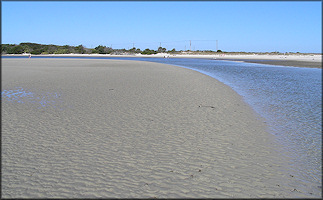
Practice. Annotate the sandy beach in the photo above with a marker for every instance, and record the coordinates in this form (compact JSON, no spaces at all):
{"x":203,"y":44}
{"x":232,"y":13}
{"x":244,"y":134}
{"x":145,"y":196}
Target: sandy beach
{"x":293,"y":60}
{"x":310,"y":61}
{"x":82,"y":128}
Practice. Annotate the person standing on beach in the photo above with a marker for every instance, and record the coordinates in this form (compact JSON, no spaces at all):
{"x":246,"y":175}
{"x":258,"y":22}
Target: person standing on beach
{"x":30,"y":55}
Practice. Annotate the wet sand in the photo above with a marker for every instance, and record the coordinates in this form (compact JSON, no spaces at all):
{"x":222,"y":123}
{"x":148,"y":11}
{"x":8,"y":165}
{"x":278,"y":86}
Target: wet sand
{"x":292,"y":63}
{"x":298,"y":60}
{"x":78,"y":128}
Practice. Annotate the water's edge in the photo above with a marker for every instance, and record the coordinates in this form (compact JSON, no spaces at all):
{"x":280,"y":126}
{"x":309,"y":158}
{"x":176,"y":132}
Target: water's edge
{"x":309,"y":162}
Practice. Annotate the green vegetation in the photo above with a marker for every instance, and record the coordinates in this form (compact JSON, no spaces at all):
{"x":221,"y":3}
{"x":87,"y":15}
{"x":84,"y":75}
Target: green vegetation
{"x":102,"y":50}
{"x":80,"y":49}
{"x":37,"y":49}
{"x":34,"y":48}
{"x":149,"y":52}
{"x":134,"y":50}
{"x":161,"y":50}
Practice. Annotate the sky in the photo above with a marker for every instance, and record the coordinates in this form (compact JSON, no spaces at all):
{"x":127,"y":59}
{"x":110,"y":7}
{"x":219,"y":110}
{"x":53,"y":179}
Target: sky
{"x":249,"y":26}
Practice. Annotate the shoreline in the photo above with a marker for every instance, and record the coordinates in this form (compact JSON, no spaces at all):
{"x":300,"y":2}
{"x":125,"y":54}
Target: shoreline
{"x":289,"y":63}
{"x":134,"y":129}
{"x":302,"y":60}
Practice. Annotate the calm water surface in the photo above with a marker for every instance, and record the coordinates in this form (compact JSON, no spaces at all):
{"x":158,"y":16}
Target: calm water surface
{"x":288,"y":98}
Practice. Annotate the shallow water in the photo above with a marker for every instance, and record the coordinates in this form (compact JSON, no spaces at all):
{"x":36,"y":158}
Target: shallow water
{"x":20,"y":95}
{"x":288,"y":98}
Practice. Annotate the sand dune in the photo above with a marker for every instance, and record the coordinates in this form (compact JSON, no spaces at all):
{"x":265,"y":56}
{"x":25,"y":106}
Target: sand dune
{"x":129,"y":129}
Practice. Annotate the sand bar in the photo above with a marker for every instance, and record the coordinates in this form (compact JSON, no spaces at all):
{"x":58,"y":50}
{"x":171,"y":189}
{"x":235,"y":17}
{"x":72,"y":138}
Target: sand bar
{"x":281,"y":62}
{"x":129,"y":129}
{"x":294,"y":60}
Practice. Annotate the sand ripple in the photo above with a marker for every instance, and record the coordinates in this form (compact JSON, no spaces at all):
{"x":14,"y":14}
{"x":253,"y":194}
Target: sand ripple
{"x":137,"y":130}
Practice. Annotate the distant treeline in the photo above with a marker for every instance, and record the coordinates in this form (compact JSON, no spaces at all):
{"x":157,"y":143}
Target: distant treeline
{"x":37,"y":49}
{"x":34,"y":48}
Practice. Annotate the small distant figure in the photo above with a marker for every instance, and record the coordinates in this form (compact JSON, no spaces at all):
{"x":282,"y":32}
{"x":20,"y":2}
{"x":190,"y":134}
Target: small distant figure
{"x":30,"y":55}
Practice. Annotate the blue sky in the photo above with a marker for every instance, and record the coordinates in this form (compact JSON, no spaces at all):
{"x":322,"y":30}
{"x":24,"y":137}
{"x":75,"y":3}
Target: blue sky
{"x":237,"y":25}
